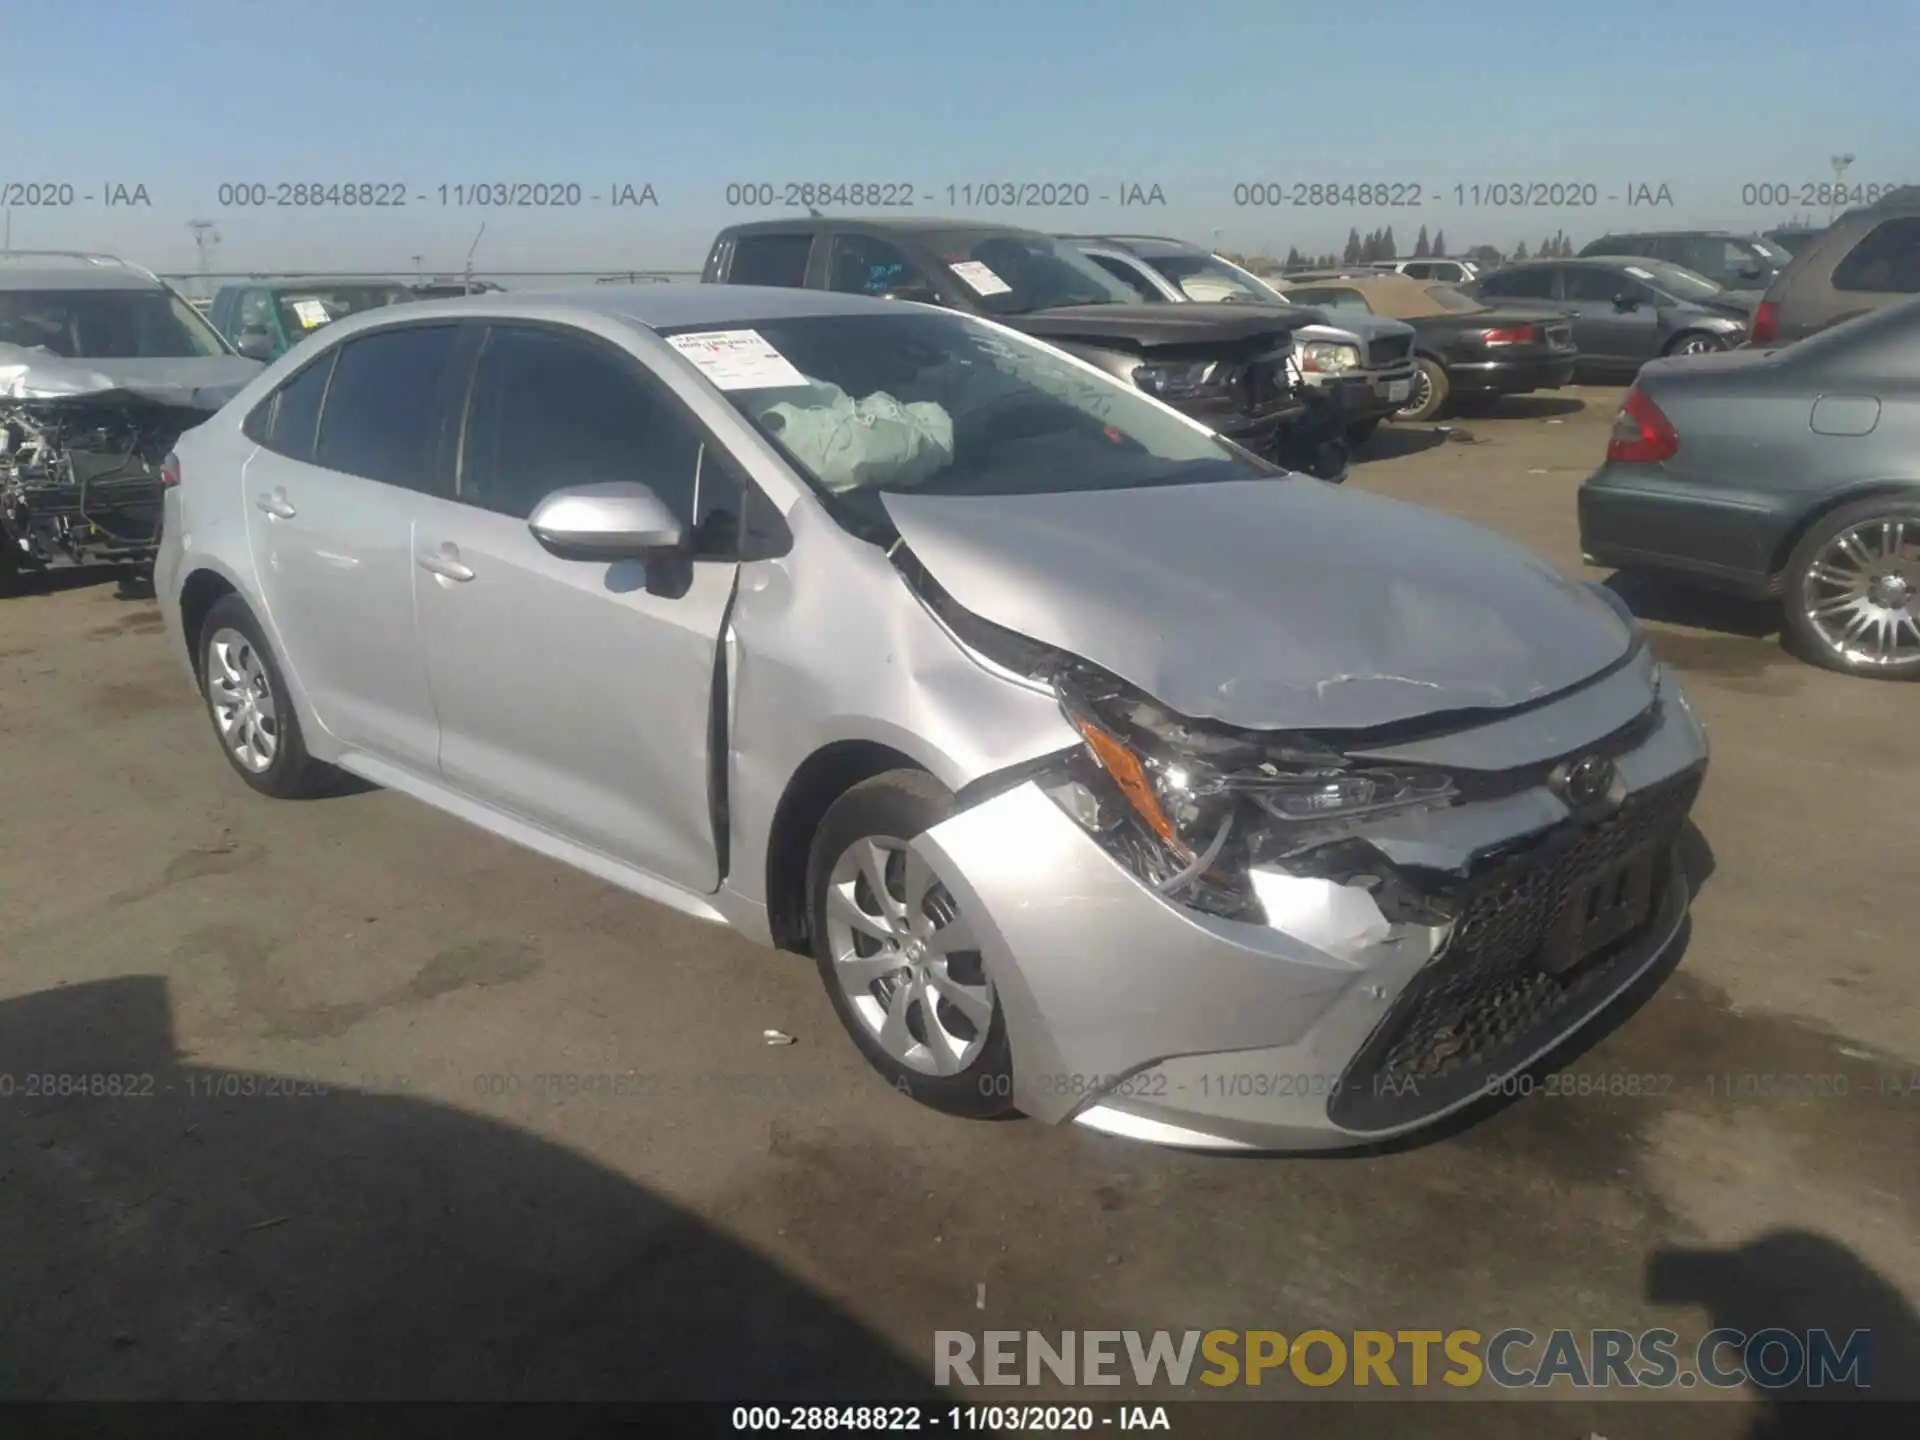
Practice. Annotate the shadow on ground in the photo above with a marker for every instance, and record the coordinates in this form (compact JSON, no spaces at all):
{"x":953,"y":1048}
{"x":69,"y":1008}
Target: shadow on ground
{"x":1390,"y":442}
{"x":193,"y":1241}
{"x":1524,"y":407}
{"x":1658,"y":598}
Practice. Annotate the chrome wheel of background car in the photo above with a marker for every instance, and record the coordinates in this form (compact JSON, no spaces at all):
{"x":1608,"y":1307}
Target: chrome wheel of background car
{"x":1698,"y":345}
{"x":1861,"y":594}
{"x":1419,"y":397}
{"x":241,"y":695}
{"x":905,"y":958}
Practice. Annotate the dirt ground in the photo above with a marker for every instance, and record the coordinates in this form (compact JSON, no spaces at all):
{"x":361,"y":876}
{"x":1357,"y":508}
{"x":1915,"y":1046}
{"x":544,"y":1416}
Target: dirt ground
{"x":425,"y":1217}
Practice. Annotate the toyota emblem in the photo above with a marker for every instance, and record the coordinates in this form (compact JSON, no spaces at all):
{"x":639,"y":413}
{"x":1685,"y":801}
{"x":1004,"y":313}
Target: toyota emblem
{"x":1584,"y":782}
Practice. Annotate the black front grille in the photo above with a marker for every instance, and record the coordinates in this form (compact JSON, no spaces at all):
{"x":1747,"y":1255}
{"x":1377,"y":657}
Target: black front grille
{"x":1484,"y":1005}
{"x":1390,"y":351}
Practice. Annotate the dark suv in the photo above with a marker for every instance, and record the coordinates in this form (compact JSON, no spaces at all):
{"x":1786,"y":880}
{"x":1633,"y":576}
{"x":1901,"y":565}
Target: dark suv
{"x":1865,"y":260}
{"x":1733,"y":262}
{"x":1228,"y":366}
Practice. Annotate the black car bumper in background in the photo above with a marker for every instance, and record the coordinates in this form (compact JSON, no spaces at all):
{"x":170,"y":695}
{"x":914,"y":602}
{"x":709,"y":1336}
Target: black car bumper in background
{"x":1512,"y":375}
{"x":1643,"y":517}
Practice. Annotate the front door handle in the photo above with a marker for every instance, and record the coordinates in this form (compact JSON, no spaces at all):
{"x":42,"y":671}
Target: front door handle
{"x":275,"y":503}
{"x":445,"y":562}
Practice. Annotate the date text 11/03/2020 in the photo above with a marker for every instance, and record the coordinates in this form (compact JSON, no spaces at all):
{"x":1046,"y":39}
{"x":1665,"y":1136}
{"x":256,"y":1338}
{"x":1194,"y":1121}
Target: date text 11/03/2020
{"x":399,"y":194}
{"x":971,"y":194}
{"x":1467,"y":195}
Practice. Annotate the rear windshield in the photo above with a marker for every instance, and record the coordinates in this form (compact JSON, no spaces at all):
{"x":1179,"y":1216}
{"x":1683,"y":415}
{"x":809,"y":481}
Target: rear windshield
{"x":107,"y":324}
{"x":1450,"y":299}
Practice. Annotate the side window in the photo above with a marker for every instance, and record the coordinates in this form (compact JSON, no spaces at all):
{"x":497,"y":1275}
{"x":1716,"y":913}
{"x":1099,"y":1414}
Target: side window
{"x":1419,"y":270}
{"x":1126,"y":275}
{"x":254,"y":312}
{"x":1885,"y":262}
{"x":1532,"y":283}
{"x":1590,"y":282}
{"x":770,"y":260}
{"x":382,"y":410}
{"x":863,"y":265}
{"x":291,"y":415}
{"x":550,"y":410}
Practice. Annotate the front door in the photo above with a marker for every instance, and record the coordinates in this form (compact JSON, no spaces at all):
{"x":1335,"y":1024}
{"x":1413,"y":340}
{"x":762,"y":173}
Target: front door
{"x":578,"y":695}
{"x":1604,"y":329}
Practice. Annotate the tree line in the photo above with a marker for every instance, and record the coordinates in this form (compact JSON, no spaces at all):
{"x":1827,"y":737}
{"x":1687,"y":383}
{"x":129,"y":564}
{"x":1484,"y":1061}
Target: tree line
{"x":1380,"y":244}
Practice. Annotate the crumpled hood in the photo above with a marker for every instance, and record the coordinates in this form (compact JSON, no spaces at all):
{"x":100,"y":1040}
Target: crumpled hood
{"x":1270,"y":604}
{"x":195,"y":382}
{"x":1145,"y":326}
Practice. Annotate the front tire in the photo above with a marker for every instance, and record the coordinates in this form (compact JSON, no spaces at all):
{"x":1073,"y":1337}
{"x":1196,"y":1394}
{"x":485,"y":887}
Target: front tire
{"x":251,"y":710}
{"x":1431,"y":390}
{"x":1851,"y":598}
{"x":1695,"y":342}
{"x":902,"y":967}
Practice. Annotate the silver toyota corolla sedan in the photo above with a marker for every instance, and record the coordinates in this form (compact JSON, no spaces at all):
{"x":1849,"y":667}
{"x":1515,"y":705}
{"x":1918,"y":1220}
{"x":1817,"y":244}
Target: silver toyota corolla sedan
{"x":1107,"y":772}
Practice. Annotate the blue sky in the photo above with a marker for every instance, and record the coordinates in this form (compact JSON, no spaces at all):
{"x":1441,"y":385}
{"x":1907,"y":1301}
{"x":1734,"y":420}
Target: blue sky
{"x":1703,"y":96}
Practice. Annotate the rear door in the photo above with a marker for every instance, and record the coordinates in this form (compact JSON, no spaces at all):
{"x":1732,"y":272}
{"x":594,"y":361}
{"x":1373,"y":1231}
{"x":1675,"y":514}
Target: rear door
{"x":578,"y":695}
{"x":353,"y":445}
{"x":1850,"y":271}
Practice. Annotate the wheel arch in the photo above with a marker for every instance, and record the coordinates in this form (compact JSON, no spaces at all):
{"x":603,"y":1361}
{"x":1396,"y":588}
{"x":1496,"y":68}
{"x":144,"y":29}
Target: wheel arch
{"x":1795,"y":532}
{"x":204,"y":588}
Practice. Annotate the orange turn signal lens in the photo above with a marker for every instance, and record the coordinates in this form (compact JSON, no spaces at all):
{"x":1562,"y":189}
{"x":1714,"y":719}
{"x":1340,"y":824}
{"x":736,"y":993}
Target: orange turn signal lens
{"x":1124,"y":766}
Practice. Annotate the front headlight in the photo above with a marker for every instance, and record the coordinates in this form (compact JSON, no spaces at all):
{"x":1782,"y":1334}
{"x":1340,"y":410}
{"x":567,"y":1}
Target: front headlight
{"x":1328,"y":357}
{"x":1194,"y":807}
{"x":1181,"y":380}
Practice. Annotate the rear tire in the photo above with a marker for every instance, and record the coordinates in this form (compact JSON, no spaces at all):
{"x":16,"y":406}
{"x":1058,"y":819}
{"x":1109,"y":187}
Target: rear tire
{"x":1858,"y":566}
{"x":1695,"y":342}
{"x":924,"y":1013}
{"x":250,"y":708}
{"x":1431,"y":391}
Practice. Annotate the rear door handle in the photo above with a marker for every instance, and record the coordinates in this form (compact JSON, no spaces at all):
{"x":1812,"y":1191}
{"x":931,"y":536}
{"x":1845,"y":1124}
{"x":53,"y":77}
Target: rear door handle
{"x":445,"y":562}
{"x":275,"y":503}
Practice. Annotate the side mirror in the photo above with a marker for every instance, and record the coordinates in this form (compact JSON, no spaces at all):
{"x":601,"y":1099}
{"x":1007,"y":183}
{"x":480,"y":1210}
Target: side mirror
{"x":255,"y":344}
{"x":1750,"y":272}
{"x":617,"y":521}
{"x":1624,"y":301}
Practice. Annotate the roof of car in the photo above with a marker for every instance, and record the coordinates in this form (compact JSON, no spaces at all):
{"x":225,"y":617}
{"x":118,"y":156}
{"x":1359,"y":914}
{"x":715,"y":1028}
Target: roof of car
{"x":12,"y":279}
{"x":658,"y":307}
{"x":897,"y":224}
{"x":1141,"y":245}
{"x":1674,"y":234}
{"x":1388,"y":293}
{"x":295,"y":282}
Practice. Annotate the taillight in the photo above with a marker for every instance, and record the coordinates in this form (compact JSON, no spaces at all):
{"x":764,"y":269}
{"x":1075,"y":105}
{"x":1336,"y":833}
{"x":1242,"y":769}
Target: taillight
{"x":1642,"y":435}
{"x":170,"y":472}
{"x":1510,"y":335}
{"x":1765,"y":328}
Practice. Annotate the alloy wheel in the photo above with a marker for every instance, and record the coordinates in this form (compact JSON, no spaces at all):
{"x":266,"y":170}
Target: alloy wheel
{"x":906,"y":957}
{"x":1697,"y":345}
{"x":1421,"y":395}
{"x":245,"y":710}
{"x":1861,"y":594}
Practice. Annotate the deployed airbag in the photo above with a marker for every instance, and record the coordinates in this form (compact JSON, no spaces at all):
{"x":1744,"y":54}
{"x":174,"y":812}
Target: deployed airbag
{"x":851,"y":444}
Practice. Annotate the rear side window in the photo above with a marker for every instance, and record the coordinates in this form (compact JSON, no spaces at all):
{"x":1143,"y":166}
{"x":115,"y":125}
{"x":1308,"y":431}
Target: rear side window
{"x":383,"y":406}
{"x":1885,"y":262}
{"x":1520,"y":284}
{"x":770,"y":260}
{"x":286,"y":420}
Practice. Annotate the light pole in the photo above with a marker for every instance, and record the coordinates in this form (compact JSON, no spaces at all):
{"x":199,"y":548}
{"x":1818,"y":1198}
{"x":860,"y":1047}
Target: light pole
{"x":1840,"y":164}
{"x":204,"y":236}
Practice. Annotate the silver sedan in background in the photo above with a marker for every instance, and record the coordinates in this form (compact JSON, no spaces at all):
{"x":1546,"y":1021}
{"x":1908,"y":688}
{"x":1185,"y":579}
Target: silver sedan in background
{"x":1076,"y":746}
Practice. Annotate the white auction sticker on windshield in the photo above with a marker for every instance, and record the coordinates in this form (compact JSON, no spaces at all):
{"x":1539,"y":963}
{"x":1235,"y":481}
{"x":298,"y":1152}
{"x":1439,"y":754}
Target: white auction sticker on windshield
{"x":980,"y":279}
{"x":1637,"y":272}
{"x":312,"y":313}
{"x":738,"y":360}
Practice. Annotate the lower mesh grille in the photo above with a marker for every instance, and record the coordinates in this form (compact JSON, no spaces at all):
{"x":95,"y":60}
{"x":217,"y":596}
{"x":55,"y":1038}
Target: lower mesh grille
{"x":1487,"y":1003}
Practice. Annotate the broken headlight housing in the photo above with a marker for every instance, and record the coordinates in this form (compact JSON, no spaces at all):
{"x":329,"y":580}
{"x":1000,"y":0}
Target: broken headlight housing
{"x":1174,"y":381}
{"x":1193,"y":808}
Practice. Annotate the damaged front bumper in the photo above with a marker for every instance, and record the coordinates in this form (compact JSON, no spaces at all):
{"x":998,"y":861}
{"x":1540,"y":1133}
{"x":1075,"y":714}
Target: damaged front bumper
{"x":1333,"y":1024}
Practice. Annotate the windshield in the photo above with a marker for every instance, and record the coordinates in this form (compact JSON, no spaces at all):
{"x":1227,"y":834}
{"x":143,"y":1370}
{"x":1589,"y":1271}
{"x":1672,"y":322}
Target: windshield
{"x":311,"y":307}
{"x":107,"y":324}
{"x":1677,"y":280}
{"x":1777,"y":254}
{"x":941,"y":404}
{"x":1017,"y":273}
{"x":1206,"y":277}
{"x":1449,"y":299}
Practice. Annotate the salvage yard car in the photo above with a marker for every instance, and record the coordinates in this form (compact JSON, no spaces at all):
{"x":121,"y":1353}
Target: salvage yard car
{"x":1368,"y":361}
{"x":266,"y":318}
{"x":1791,"y":474}
{"x":1225,"y":365}
{"x":1465,"y":351}
{"x":102,"y":366}
{"x":1068,"y":739}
